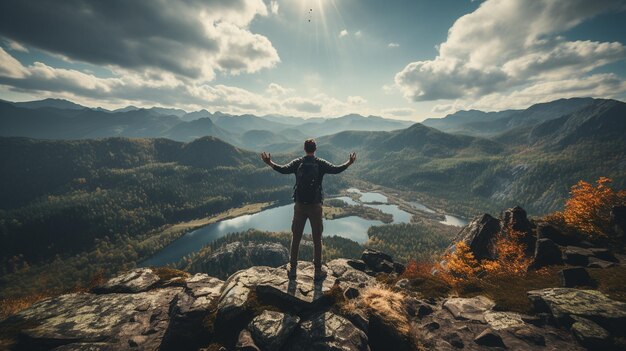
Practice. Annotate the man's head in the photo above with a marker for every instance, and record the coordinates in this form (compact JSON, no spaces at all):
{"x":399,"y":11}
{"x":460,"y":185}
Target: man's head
{"x":310,"y":146}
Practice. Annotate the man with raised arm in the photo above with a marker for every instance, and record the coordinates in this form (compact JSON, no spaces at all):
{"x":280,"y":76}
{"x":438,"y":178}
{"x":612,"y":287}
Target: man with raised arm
{"x":308,"y":197}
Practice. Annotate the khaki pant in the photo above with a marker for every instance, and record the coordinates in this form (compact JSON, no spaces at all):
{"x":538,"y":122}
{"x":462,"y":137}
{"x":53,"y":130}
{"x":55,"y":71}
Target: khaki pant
{"x":302,"y":212}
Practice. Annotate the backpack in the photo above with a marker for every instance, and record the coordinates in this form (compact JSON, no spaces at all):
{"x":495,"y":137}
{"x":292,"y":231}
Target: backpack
{"x":307,"y":181}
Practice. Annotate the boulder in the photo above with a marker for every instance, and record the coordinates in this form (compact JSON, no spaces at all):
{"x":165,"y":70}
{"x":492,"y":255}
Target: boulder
{"x":238,"y":255}
{"x":191,"y":308}
{"x":577,"y":256}
{"x":272,"y":286}
{"x":271,"y":329}
{"x":595,"y":262}
{"x":347,"y":276}
{"x":546,"y":253}
{"x":469,"y":308}
{"x":603,"y":254}
{"x":480,"y":235}
{"x":87,"y":320}
{"x":133,"y":281}
{"x":572,"y":277}
{"x":566,"y":303}
{"x":489,"y":338}
{"x":548,"y":231}
{"x":590,"y":335}
{"x":503,"y":320}
{"x":377,"y":261}
{"x":325,"y":332}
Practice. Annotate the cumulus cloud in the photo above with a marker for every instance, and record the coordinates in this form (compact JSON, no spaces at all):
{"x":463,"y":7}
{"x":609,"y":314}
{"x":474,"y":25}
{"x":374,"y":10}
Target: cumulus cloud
{"x":277,"y":90}
{"x":192,"y":39}
{"x":511,"y":49}
{"x":343,"y":33}
{"x":358,"y":34}
{"x":393,"y":45}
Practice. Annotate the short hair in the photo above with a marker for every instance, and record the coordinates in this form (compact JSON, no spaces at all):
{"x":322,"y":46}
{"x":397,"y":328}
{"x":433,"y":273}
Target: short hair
{"x":310,"y":145}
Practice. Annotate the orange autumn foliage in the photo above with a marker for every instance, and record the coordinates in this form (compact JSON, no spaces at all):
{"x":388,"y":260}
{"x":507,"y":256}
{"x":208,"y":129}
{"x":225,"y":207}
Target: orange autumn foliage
{"x":588,"y":209}
{"x":461,"y":266}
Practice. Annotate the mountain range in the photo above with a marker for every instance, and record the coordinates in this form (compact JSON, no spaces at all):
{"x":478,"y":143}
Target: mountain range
{"x":62,"y":119}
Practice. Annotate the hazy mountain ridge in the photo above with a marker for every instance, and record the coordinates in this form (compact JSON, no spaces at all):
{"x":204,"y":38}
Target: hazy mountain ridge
{"x":62,"y":119}
{"x":479,"y":123}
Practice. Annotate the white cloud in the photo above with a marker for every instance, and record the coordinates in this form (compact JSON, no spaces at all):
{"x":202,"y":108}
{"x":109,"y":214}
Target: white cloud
{"x":165,"y":89}
{"x":358,"y":34}
{"x":274,"y":7}
{"x":15,"y":46}
{"x":393,"y":45}
{"x":511,"y":49}
{"x":277,"y":90}
{"x":343,"y":33}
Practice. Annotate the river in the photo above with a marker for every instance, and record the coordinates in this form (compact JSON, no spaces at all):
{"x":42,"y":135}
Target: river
{"x":279,"y":219}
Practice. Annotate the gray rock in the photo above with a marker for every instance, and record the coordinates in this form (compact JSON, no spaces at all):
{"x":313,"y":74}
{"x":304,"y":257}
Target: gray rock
{"x":590,"y":334}
{"x":618,"y":219}
{"x":566,"y":303}
{"x":133,"y":281}
{"x":530,"y":335}
{"x":272,"y":286}
{"x":351,"y":293}
{"x":469,"y":308}
{"x":503,"y":320}
{"x":480,"y":235}
{"x":572,"y":277}
{"x":200,"y":298}
{"x":245,"y":342}
{"x":347,"y":276}
{"x":603,"y":254}
{"x":546,"y":253}
{"x":576,"y":256}
{"x":377,"y":261}
{"x":325,"y":332}
{"x":454,"y":339}
{"x":271,"y":329}
{"x":595,"y":262}
{"x":489,"y":338}
{"x":119,"y":320}
{"x":547,"y":231}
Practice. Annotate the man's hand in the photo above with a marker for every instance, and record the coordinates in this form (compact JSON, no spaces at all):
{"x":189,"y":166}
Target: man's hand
{"x":267,"y":158}
{"x":352,"y":158}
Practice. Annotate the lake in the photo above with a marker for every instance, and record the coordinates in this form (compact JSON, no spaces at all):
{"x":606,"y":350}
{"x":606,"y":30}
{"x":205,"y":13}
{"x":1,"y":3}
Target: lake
{"x":278,"y":219}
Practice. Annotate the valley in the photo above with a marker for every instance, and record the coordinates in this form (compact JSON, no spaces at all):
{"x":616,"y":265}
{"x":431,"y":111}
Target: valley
{"x":72,"y":209}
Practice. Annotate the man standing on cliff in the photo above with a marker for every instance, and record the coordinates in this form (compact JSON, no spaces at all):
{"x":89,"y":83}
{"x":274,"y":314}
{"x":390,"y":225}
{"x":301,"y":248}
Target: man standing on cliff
{"x":308,"y":197}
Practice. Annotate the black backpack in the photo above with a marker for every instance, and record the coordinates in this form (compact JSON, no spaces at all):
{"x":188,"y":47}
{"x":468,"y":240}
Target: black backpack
{"x":307,"y":181}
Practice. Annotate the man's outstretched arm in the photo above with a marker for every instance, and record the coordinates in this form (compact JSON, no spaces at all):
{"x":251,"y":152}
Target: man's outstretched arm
{"x":334,"y":169}
{"x":284,"y":169}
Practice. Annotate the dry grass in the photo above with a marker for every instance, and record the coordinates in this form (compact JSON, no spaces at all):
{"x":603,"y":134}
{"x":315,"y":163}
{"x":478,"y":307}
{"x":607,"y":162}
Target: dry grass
{"x":380,"y":300}
{"x":611,"y":281}
{"x":166,"y":273}
{"x":12,"y":305}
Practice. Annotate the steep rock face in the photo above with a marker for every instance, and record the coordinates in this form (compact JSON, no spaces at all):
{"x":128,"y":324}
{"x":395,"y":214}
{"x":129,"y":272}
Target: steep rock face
{"x":480,"y":235}
{"x":238,"y":255}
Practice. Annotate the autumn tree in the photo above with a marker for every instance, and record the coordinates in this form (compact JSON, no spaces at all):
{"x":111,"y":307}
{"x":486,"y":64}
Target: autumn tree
{"x":588,"y":209}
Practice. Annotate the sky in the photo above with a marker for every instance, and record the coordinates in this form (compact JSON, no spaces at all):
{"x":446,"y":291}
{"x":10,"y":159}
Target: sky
{"x":403,"y":59}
